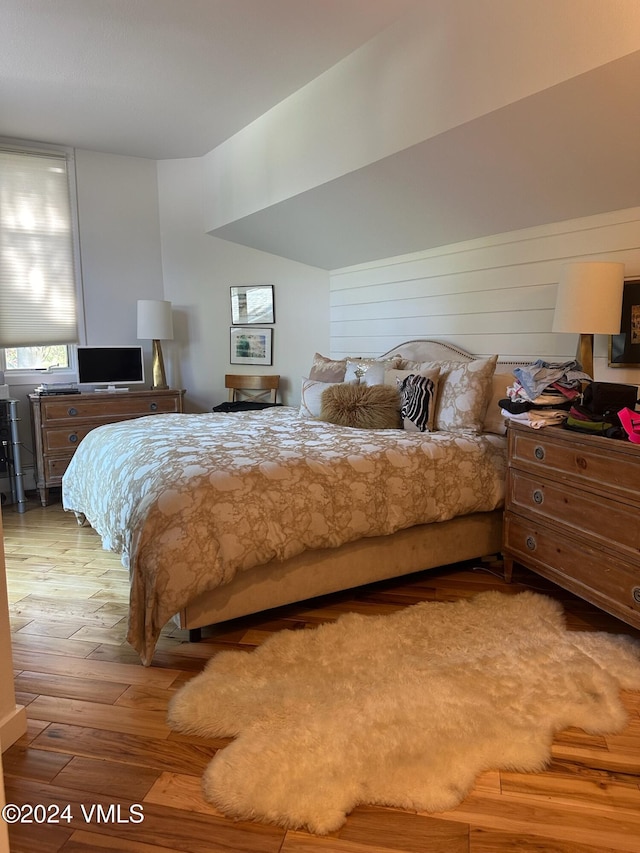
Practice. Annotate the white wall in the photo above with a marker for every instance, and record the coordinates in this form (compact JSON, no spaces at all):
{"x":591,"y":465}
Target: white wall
{"x":120,"y":256}
{"x":488,"y":295}
{"x":198,"y":272}
{"x":119,"y":242}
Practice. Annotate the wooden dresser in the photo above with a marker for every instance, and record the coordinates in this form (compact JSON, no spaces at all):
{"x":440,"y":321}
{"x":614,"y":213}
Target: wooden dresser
{"x":572,"y":514}
{"x":60,"y":422}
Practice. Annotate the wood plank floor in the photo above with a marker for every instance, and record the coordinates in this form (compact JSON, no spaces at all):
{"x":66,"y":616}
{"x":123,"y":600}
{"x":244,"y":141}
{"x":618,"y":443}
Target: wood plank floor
{"x":97,"y":737}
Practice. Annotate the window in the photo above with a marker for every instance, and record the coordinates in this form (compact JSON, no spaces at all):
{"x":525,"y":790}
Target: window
{"x":38,"y":289}
{"x":36,"y":358}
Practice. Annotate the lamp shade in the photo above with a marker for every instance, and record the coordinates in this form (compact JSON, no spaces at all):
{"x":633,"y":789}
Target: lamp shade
{"x":589,"y":299}
{"x":155,"y":321}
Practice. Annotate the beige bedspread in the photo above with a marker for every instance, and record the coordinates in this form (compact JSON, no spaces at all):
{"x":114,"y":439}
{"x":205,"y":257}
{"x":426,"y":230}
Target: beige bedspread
{"x":189,"y":500}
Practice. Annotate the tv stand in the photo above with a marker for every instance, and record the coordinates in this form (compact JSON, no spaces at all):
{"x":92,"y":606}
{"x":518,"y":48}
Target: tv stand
{"x":110,"y":389}
{"x":61,"y":421}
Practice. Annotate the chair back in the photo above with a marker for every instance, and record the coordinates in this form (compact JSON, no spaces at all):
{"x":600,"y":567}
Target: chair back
{"x":257,"y":388}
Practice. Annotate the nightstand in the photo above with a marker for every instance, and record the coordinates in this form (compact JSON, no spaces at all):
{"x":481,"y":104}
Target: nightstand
{"x":572,"y":514}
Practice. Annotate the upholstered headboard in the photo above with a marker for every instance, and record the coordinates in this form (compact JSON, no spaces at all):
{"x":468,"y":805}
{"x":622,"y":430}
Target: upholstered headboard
{"x":427,"y":350}
{"x":424,"y":349}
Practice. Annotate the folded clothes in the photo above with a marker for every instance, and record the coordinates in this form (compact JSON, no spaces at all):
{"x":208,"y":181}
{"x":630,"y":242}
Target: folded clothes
{"x":537,"y":418}
{"x":537,"y":377}
{"x":542,"y":403}
{"x":569,"y":393}
{"x":550,"y":396}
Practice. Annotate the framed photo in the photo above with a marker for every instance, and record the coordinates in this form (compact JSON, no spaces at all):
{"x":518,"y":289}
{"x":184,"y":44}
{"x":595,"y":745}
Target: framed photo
{"x":251,"y":346}
{"x":252,"y":304}
{"x":624,"y":349}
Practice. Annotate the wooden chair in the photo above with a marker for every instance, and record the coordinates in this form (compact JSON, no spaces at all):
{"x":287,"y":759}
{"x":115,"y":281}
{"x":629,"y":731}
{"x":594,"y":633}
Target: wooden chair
{"x":260,"y":389}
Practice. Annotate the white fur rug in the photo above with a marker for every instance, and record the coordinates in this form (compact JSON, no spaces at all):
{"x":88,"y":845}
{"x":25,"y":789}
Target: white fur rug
{"x":402,"y":710}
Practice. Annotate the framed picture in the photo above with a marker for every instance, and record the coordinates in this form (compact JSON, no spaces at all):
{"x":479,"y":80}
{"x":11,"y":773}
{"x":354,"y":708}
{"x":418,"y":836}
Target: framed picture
{"x":624,"y":349}
{"x":251,"y":346}
{"x":252,"y":304}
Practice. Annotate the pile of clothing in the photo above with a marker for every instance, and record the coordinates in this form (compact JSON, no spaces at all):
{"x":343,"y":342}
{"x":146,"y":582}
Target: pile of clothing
{"x":543,"y":393}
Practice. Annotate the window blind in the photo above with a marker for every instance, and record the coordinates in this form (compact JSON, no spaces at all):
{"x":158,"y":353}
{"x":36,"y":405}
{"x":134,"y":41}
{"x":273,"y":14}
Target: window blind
{"x":37,"y":277}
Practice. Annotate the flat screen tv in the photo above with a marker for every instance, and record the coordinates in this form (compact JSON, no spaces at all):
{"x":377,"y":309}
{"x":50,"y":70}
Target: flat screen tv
{"x":110,"y":366}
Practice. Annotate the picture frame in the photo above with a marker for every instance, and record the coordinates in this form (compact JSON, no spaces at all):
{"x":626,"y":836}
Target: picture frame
{"x":252,"y":303}
{"x":624,"y":348}
{"x":251,"y":346}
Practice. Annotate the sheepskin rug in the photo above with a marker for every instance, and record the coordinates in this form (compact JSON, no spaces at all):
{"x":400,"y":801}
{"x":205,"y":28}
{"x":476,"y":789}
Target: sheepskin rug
{"x":400,"y":710}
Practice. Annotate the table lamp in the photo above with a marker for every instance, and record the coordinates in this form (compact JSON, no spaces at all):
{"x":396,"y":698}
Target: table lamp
{"x":589,"y":302}
{"x":155,"y":323}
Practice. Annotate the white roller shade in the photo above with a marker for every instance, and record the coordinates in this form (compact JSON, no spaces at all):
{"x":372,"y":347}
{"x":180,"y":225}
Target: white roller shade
{"x":37,"y":280}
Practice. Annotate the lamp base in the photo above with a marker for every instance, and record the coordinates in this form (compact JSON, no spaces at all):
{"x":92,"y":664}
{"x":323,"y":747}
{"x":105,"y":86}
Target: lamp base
{"x":585,"y":354}
{"x":159,"y":378}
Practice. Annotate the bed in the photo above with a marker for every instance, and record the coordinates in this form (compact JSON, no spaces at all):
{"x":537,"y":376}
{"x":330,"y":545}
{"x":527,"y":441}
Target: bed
{"x":222,"y":515}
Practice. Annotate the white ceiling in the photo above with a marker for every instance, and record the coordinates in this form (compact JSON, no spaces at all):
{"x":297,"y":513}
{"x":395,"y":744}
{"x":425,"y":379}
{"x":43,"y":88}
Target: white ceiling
{"x":166,"y":78}
{"x":175,"y":78}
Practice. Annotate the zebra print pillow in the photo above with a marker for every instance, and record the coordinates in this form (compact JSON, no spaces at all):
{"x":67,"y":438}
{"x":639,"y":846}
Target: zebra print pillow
{"x":417,"y":408}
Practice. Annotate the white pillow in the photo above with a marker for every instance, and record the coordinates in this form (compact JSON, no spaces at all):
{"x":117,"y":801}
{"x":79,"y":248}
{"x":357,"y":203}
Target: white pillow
{"x":310,"y":397}
{"x":369,"y":371}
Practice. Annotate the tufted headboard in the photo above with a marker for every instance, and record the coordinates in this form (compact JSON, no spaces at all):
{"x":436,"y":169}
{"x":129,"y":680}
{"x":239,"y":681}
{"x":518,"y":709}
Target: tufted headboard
{"x":428,"y":350}
{"x":425,"y":350}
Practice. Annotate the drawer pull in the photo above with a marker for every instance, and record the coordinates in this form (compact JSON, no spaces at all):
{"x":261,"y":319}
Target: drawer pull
{"x":73,"y":438}
{"x":72,"y":411}
{"x":539,"y":453}
{"x":636,"y":594}
{"x":153,"y":407}
{"x":531,"y":543}
{"x":538,"y":496}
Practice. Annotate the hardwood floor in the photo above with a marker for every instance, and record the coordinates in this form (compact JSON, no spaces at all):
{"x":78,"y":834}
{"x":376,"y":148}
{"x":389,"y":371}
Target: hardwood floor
{"x":97,"y":737}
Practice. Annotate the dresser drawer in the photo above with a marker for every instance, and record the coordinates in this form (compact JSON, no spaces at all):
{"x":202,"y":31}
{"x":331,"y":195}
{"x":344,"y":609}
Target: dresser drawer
{"x":608,"y":581}
{"x":555,"y":453}
{"x":55,"y":466}
{"x":611,"y":523}
{"x":63,"y":438}
{"x":109,"y":408}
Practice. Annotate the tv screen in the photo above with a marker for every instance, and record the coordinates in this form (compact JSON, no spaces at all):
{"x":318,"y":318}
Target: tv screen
{"x":110,"y":365}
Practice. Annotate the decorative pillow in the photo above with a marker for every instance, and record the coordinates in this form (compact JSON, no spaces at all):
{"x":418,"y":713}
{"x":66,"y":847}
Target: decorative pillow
{"x":418,"y":397}
{"x":494,"y":420}
{"x":310,"y":394}
{"x":369,"y":371}
{"x":327,"y":369}
{"x":464,"y":392}
{"x":394,"y":377}
{"x":361,"y":406}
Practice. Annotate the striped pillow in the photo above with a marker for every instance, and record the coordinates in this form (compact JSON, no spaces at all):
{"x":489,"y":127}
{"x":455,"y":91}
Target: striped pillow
{"x":417,"y":394}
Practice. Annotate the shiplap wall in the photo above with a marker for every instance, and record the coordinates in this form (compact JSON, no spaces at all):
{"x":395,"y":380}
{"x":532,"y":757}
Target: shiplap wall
{"x":489,"y":295}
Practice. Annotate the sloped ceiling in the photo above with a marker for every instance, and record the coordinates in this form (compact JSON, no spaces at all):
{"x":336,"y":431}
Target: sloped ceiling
{"x":174,"y":79}
{"x":572,"y":150}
